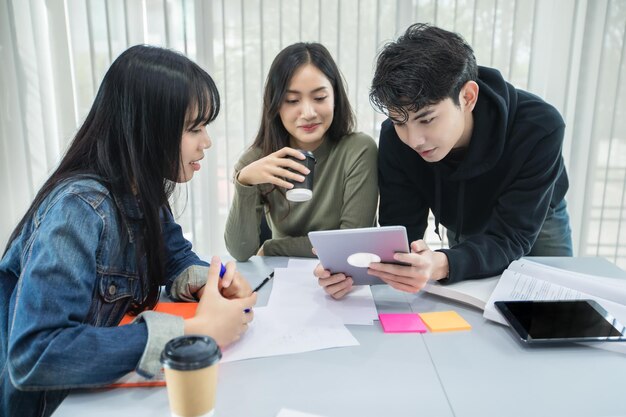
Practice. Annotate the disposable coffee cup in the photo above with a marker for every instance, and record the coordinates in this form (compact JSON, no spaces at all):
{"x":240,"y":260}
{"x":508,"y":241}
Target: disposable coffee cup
{"x":190,"y":364}
{"x":303,"y":191}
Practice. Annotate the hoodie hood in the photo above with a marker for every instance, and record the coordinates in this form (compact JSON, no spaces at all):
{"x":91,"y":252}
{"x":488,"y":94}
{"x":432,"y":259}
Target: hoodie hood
{"x":495,"y":109}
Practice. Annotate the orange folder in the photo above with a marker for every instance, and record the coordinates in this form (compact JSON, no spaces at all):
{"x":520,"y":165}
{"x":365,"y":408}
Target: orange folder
{"x":184,"y":310}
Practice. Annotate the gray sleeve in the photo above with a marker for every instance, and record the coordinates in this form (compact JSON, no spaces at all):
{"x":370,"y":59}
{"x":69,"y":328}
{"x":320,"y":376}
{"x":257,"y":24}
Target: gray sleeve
{"x":188,"y":282}
{"x":162,"y":328}
{"x":243,"y":225}
{"x":360,"y":197}
{"x":289,"y":246}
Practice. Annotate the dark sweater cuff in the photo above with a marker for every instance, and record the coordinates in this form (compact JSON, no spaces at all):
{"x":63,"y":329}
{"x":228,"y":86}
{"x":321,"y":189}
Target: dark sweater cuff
{"x":457,"y":263}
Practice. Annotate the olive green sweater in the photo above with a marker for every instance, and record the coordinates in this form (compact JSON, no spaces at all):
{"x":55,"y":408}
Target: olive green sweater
{"x":345,"y":195}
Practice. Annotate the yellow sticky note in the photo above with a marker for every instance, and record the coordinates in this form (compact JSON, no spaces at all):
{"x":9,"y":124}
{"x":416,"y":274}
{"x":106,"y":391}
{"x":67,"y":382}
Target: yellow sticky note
{"x":444,"y":321}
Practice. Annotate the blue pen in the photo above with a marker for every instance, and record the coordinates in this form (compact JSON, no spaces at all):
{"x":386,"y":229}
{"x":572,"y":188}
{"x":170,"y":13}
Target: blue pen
{"x":222,"y":272}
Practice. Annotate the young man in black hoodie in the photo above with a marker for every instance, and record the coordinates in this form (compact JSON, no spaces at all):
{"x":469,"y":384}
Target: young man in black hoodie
{"x":484,"y":156}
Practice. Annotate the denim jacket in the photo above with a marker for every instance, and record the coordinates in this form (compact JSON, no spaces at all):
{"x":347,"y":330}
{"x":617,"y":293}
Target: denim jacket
{"x":66,"y":282}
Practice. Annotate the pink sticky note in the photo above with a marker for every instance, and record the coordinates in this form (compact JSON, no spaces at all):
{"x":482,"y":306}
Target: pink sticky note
{"x":402,"y":323}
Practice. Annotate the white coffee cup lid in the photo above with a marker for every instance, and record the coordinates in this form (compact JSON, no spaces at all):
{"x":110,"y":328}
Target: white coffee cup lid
{"x":299,"y":194}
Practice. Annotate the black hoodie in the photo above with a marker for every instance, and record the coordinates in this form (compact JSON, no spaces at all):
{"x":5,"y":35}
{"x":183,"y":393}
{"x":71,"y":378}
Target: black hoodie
{"x":497,"y":196}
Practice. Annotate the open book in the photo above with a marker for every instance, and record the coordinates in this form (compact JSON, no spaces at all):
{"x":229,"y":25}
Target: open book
{"x":475,"y":292}
{"x":478,"y":292}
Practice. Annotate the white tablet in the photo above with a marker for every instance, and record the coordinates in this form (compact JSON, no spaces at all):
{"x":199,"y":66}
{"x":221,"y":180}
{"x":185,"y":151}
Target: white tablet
{"x":350,"y":251}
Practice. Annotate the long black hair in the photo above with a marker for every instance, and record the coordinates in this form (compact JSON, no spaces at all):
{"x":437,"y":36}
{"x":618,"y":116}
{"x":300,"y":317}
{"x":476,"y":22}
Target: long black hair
{"x":272,"y":135}
{"x":131,"y":140}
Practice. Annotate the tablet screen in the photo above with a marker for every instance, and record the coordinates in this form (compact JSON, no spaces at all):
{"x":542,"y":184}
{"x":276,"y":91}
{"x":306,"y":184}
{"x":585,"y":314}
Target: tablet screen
{"x":575,"y":320}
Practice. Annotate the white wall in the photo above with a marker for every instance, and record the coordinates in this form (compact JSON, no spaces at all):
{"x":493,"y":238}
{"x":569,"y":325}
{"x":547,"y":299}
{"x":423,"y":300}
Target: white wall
{"x":54,"y":54}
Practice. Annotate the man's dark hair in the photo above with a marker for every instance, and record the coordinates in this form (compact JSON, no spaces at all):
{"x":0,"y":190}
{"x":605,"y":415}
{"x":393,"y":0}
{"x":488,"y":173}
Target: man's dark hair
{"x":422,"y":67}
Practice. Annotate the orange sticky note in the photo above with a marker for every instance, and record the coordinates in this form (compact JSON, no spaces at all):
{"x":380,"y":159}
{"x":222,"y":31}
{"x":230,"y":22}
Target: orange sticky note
{"x":444,"y":321}
{"x":184,"y":310}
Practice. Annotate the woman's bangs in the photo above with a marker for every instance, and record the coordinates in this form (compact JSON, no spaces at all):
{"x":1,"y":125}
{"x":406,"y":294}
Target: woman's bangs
{"x":205,"y":100}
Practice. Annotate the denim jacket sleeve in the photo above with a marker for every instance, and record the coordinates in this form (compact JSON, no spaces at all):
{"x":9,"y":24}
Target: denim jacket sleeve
{"x":186,"y":272}
{"x":49,"y":342}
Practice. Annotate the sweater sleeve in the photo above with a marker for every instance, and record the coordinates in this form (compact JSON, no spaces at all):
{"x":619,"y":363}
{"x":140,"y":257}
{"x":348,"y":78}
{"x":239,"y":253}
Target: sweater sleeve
{"x":289,"y":246}
{"x":188,"y":283}
{"x":359,"y":200}
{"x":243,"y":225}
{"x":360,"y":191}
{"x":516,"y":219}
{"x":401,"y":203}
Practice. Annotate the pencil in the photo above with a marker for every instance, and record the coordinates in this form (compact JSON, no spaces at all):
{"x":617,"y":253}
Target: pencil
{"x":258,"y":287}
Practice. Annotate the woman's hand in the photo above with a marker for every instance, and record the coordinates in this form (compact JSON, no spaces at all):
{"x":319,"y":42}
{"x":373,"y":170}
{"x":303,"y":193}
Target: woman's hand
{"x":424,"y":265}
{"x":272,"y":169}
{"x":233,"y":284}
{"x":335,"y":285}
{"x":218,"y":317}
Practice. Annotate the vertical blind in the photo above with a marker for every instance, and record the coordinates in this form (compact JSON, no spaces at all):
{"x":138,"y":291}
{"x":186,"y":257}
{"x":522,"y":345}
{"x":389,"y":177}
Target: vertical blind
{"x":56,"y":52}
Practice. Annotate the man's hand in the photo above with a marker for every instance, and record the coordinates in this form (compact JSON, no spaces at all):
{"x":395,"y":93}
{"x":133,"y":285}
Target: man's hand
{"x":424,"y":265}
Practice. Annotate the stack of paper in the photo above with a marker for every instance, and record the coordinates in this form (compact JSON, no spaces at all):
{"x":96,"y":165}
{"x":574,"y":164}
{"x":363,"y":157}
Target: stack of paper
{"x":300,"y":317}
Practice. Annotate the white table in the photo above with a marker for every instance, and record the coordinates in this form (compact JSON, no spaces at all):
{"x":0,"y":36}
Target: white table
{"x":482,"y":372}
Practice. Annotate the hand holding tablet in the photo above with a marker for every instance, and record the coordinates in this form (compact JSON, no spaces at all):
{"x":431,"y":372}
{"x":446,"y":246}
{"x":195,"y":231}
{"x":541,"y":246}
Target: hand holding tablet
{"x":335,"y":285}
{"x":412,"y":270}
{"x":350,"y":251}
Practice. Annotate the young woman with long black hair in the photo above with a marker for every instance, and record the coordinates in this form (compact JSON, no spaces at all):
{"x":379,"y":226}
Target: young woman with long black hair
{"x":305,"y":107}
{"x":99,"y":240}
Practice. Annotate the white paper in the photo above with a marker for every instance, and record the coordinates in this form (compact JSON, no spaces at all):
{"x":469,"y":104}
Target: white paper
{"x":613,"y":289}
{"x":516,"y":286}
{"x":303,"y":263}
{"x":276,"y":331}
{"x":300,"y":317}
{"x":286,"y":412}
{"x":298,"y":288}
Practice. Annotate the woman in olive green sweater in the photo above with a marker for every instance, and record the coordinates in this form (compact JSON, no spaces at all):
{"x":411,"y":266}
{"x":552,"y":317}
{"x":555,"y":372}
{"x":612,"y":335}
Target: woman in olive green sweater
{"x":305,"y":107}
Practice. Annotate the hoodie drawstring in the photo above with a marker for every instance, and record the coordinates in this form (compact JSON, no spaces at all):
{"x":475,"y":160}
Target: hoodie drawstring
{"x":437,"y":207}
{"x":459,"y":206}
{"x":459,"y":211}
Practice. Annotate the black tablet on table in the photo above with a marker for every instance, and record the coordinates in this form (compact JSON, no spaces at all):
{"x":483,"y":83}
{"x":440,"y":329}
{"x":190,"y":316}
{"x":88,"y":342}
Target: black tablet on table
{"x":561,"y":321}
